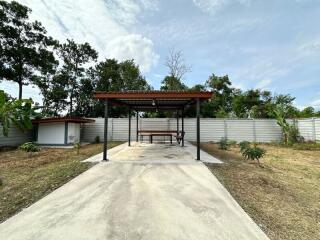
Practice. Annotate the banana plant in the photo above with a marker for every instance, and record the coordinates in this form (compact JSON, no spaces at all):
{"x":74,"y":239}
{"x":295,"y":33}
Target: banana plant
{"x":281,"y":113}
{"x":16,"y":112}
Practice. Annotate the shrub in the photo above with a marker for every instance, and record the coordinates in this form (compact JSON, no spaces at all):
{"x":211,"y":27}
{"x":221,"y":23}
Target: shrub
{"x":308,"y":146}
{"x":77,"y":146}
{"x":97,"y":139}
{"x":223,"y":144}
{"x":232,"y":143}
{"x":1,"y":182}
{"x":252,"y":153}
{"x":293,"y":135}
{"x":244,"y":145}
{"x":29,"y":147}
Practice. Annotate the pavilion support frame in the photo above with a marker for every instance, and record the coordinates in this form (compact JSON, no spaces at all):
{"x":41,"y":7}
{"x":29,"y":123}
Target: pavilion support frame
{"x":198,"y":129}
{"x":105,"y":140}
{"x":177,"y":121}
{"x":174,"y":101}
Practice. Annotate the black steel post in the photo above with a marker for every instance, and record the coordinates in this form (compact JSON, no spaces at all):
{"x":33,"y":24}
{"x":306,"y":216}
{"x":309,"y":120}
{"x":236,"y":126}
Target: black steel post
{"x":177,"y":122}
{"x":182,"y":126}
{"x":129,"y":134}
{"x":105,"y":140}
{"x":198,"y":129}
{"x":137,"y":128}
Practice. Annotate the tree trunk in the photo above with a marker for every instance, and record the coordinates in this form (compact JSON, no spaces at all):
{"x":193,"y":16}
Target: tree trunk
{"x":71,"y":105}
{"x":20,"y":90}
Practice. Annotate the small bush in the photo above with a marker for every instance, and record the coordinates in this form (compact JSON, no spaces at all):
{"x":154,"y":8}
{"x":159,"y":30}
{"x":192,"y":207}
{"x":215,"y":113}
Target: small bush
{"x":244,"y":145}
{"x":223,"y":144}
{"x":29,"y":147}
{"x":251,"y":153}
{"x":77,"y":146}
{"x":97,"y":139}
{"x":1,"y":182}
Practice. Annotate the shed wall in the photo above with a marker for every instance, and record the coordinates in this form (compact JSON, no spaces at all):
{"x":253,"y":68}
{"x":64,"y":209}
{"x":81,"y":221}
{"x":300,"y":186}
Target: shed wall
{"x":51,"y":133}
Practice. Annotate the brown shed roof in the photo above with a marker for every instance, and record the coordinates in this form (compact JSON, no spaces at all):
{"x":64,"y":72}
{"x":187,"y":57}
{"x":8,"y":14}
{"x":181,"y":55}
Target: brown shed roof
{"x":63,"y":119}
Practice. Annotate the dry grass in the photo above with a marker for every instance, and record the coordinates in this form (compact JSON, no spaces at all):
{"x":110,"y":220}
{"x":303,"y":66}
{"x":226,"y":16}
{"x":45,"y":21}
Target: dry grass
{"x":25,"y":178}
{"x":282,"y":196}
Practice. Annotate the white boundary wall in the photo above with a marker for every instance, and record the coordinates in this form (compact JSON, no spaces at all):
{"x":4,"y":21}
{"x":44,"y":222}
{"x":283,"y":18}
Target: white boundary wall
{"x":15,"y":138}
{"x":212,"y":129}
{"x":260,"y":130}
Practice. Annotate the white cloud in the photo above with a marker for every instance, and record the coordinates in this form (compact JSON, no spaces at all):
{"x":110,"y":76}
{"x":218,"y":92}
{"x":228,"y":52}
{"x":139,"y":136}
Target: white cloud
{"x":315,"y":103}
{"x":103,"y":24}
{"x":126,"y":47}
{"x":263,"y":84}
{"x":211,"y":6}
{"x":312,"y":47}
{"x":127,"y":11}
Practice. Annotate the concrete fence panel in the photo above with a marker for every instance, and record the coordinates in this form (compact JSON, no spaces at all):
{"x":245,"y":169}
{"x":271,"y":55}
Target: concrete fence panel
{"x":15,"y":138}
{"x":212,"y":129}
{"x":260,"y":130}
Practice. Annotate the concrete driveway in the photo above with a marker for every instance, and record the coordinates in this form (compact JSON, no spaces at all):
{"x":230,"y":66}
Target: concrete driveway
{"x":144,"y":192}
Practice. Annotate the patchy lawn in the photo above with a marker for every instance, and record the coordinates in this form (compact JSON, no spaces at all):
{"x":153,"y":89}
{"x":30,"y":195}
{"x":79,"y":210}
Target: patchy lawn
{"x":25,"y":179}
{"x":282,"y":196}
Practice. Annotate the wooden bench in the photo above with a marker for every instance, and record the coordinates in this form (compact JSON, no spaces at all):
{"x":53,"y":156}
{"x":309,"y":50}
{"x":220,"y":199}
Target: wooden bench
{"x":162,"y":133}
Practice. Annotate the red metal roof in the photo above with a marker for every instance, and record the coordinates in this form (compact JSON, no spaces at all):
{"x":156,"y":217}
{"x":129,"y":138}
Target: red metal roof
{"x":153,"y":95}
{"x":63,"y":119}
{"x":152,"y":100}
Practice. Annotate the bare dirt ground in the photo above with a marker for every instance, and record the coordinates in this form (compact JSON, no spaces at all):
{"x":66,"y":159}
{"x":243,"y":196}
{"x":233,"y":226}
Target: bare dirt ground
{"x":282,"y":196}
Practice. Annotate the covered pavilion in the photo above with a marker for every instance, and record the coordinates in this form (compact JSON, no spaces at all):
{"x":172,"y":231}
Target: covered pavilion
{"x":145,"y":101}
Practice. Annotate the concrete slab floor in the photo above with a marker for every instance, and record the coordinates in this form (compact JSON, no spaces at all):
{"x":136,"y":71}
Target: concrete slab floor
{"x":143,"y":199}
{"x":163,"y":152}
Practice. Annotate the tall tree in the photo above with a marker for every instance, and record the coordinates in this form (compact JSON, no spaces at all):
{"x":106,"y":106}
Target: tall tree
{"x":177,"y":67}
{"x":74,"y":57}
{"x":223,"y":93}
{"x":23,"y":45}
{"x":175,"y":62}
{"x":112,"y":75}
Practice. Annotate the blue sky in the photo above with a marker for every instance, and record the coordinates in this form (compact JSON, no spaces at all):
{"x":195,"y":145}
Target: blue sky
{"x":272,"y":45}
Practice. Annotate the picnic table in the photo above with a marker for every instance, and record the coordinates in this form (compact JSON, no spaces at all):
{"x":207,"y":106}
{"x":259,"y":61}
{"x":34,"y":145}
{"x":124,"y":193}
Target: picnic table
{"x":163,"y":133}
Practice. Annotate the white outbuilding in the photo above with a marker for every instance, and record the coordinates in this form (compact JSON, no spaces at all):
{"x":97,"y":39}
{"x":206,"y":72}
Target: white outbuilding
{"x":59,"y":131}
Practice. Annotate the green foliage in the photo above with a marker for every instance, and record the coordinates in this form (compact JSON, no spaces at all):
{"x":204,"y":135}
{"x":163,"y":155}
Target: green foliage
{"x":308,"y":146}
{"x":16,"y":112}
{"x":111,"y":75}
{"x":252,"y":152}
{"x":223,"y":144}
{"x":24,"y":46}
{"x":290,"y":133}
{"x":77,"y":146}
{"x":29,"y":147}
{"x":293,"y":135}
{"x":97,"y":139}
{"x":244,"y":145}
{"x":172,"y":83}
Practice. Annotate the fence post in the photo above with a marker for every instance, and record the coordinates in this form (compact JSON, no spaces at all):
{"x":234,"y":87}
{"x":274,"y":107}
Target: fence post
{"x":314,"y":129}
{"x":254,"y":130}
{"x":225,"y":129}
{"x":111,"y":129}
